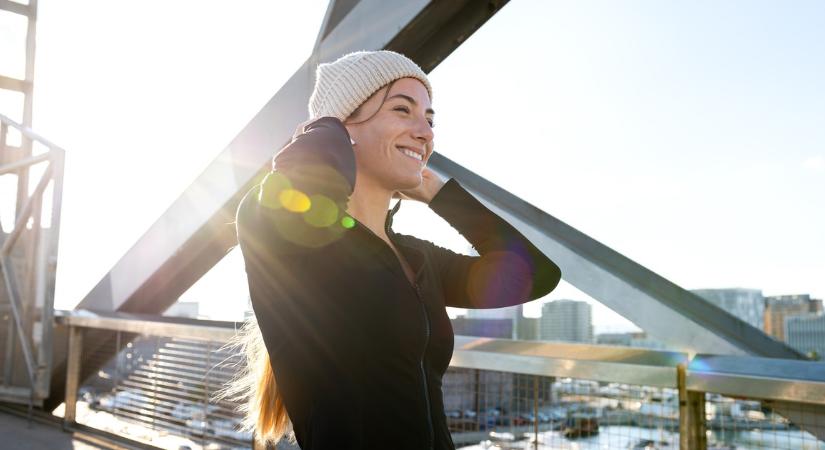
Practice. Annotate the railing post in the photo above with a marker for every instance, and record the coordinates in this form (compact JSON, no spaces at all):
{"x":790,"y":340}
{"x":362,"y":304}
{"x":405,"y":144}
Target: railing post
{"x":4,"y":130}
{"x":536,"y":411}
{"x":691,"y":414}
{"x":73,"y":373}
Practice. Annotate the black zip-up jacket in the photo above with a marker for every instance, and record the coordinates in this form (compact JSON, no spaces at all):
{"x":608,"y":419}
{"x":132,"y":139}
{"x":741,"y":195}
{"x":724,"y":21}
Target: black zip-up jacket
{"x":357,"y":350}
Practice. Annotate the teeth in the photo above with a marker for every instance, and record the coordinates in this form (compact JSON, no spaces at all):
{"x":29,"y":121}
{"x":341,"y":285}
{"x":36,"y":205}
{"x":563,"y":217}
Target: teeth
{"x":411,"y":154}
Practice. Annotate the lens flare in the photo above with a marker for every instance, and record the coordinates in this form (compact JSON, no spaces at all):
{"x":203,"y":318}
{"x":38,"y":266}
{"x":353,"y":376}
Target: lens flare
{"x":273,"y":184}
{"x":294,"y":200}
{"x":323,"y":212}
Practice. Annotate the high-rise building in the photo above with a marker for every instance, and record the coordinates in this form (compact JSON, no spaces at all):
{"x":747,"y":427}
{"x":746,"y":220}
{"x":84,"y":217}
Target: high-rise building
{"x":521,"y":326}
{"x":566,"y":320}
{"x":806,"y":333}
{"x":780,"y":307}
{"x":511,"y":312}
{"x":746,"y":304}
{"x":527,"y":328}
{"x":493,"y":328}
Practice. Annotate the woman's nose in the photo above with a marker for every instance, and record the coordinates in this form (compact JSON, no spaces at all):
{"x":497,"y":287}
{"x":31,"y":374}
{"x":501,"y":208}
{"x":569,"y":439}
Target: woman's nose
{"x":424,"y":132}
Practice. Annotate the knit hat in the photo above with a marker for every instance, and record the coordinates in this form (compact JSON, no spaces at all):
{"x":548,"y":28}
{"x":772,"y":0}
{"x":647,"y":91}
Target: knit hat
{"x":343,"y":85}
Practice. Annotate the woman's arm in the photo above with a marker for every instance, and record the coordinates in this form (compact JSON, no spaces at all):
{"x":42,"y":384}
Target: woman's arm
{"x":300,"y":203}
{"x":310,"y":342}
{"x":510,"y":269}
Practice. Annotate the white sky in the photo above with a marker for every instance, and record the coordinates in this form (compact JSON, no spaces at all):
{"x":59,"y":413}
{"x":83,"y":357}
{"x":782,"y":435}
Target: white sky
{"x":686,"y":135}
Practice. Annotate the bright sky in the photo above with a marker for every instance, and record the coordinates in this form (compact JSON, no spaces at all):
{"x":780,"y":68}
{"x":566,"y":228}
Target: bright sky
{"x":686,"y":135}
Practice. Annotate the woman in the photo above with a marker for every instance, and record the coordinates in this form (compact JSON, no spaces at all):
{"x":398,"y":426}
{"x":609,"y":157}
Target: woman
{"x":352,"y":315}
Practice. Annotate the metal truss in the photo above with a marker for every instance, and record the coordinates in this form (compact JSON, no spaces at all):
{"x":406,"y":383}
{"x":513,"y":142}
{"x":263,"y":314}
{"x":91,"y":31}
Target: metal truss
{"x":30,"y":295}
{"x":197,"y":230}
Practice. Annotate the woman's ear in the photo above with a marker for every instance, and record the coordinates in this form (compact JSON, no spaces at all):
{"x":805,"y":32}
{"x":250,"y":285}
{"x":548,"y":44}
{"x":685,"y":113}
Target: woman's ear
{"x":351,"y":132}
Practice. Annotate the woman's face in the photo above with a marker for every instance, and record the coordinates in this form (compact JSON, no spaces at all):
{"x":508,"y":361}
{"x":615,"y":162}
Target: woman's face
{"x":402,"y":125}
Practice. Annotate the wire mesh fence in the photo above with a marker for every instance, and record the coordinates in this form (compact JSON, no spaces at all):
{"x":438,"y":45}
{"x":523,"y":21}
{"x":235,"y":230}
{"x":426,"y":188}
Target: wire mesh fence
{"x":160,"y":390}
{"x":745,"y":423}
{"x":491,"y":409}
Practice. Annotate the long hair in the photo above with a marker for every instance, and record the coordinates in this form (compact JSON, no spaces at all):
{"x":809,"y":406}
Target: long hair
{"x":254,"y":386}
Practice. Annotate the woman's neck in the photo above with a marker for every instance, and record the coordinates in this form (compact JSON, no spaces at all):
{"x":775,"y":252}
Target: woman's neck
{"x":368,"y":203}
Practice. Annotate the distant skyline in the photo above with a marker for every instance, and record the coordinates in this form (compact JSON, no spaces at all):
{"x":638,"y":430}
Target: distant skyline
{"x":686,"y":136}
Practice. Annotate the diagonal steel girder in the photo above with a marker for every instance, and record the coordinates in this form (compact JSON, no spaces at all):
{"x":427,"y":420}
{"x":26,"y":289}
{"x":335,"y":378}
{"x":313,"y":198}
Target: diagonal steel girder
{"x":681,"y":319}
{"x":197,"y":230}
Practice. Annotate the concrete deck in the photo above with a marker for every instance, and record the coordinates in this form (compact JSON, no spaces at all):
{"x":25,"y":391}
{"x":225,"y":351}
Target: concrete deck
{"x":17,"y":433}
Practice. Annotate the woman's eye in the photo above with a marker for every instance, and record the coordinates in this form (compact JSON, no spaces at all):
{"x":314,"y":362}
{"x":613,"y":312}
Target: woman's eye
{"x":407,"y":110}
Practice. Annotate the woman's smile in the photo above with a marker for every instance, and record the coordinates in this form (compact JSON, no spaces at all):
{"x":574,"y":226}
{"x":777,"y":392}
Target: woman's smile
{"x":411,"y":153}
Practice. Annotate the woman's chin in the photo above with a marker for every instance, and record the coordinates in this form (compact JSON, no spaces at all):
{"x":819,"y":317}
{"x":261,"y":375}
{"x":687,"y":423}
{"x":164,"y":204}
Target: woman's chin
{"x":411,"y":182}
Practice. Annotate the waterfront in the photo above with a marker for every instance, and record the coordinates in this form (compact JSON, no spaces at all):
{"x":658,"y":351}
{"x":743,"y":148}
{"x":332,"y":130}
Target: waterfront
{"x":626,"y":437}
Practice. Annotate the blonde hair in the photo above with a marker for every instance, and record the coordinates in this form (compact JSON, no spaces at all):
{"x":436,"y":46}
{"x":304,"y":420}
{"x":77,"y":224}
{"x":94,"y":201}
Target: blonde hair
{"x":254,"y":387}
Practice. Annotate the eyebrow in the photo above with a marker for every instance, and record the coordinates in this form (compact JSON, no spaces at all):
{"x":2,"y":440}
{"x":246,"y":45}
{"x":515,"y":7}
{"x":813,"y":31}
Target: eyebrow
{"x":411,"y":100}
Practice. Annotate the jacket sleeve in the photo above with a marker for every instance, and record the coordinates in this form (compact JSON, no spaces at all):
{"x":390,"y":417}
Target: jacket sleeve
{"x":283,"y":225}
{"x":509,"y":270}
{"x":300,"y":204}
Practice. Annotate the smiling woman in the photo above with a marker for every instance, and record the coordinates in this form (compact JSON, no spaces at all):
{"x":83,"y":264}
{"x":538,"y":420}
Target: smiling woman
{"x":351,"y":337}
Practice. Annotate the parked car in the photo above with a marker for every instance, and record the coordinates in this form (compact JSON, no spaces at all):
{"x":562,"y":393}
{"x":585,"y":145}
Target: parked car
{"x":649,"y":444}
{"x":453,"y":414}
{"x":580,"y":425}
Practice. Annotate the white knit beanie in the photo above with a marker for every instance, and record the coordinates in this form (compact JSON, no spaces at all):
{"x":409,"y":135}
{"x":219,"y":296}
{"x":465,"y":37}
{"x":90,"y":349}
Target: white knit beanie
{"x":343,"y":85}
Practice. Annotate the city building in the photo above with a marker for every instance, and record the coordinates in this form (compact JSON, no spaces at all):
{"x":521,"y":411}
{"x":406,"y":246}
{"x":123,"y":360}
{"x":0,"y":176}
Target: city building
{"x":248,"y":313}
{"x":183,"y":309}
{"x":566,"y":320}
{"x":638,"y":339}
{"x":807,"y":334}
{"x":746,"y":304}
{"x":527,"y":328}
{"x":518,"y":324}
{"x":494,"y":328}
{"x":511,"y":312}
{"x":780,"y":307}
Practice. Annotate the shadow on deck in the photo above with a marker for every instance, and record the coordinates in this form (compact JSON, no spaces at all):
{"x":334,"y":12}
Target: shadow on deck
{"x":18,"y":433}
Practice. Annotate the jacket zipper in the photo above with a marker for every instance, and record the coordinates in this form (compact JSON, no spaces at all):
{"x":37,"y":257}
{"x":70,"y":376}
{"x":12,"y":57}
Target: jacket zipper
{"x":421,"y":365}
{"x":426,"y":343}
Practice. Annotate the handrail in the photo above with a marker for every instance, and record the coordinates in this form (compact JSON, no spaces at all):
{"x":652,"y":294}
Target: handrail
{"x":768,"y":378}
{"x":150,"y":324}
{"x":562,"y":359}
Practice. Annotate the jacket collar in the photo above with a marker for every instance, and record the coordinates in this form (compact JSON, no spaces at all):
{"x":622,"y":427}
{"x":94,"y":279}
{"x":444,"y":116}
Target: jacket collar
{"x":414,"y":256}
{"x":390,"y":215}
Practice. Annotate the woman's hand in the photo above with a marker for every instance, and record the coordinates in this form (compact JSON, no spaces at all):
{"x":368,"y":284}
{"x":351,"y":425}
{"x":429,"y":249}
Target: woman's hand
{"x":430,"y":185}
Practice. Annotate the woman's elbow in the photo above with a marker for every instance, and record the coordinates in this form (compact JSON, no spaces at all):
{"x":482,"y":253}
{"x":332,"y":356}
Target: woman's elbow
{"x":546,"y":277}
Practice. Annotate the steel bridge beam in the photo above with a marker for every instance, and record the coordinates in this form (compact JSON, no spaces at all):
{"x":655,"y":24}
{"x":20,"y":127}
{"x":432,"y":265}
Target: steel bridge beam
{"x":681,"y":319}
{"x":197,"y":230}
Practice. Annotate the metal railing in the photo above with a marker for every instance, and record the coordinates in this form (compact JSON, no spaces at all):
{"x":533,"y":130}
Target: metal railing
{"x":498,"y":393}
{"x":28,"y":292}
